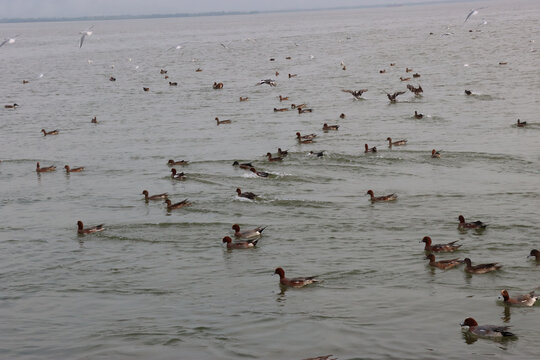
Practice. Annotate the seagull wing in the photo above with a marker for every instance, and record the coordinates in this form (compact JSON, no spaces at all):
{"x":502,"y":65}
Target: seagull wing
{"x":4,"y":42}
{"x":473,"y":12}
{"x":82,"y":40}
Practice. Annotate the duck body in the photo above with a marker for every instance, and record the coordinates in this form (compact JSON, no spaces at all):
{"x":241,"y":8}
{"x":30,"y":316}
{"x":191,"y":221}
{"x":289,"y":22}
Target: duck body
{"x":45,"y":169}
{"x":246,"y":166}
{"x":247,"y":195}
{"x":154,"y":197}
{"x":521,"y":300}
{"x":270,"y":158}
{"x":90,"y":230}
{"x":393,"y":97}
{"x":488,"y":331}
{"x":534,"y":254}
{"x":248,"y":244}
{"x":327,"y":127}
{"x":520,"y":123}
{"x":367,"y":149}
{"x":297,"y":282}
{"x":443,"y":264}
{"x":374,"y":198}
{"x":178,"y":205}
{"x":217,"y":85}
{"x":177,"y":176}
{"x":219,"y":122}
{"x":248,"y":234}
{"x":52,"y":132}
{"x":171,"y":162}
{"x":449,"y":247}
{"x":417,"y":115}
{"x":259,"y":173}
{"x":282,"y":153}
{"x":481,"y":268}
{"x":70,"y":170}
{"x":470,"y":225}
{"x":305,"y":137}
{"x":11,"y":106}
{"x":435,"y":154}
{"x":396,"y":143}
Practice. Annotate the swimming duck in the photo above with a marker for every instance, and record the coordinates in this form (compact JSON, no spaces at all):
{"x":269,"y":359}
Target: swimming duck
{"x":470,"y":225}
{"x":368,"y":149}
{"x":390,"y":197}
{"x":244,"y":98}
{"x":408,"y":69}
{"x":318,"y":154}
{"x":94,"y":120}
{"x":485,"y":330}
{"x":259,"y":173}
{"x":305,"y":137}
{"x":171,"y":162}
{"x":294,"y":282}
{"x":301,"y":106}
{"x":179,"y":176}
{"x":162,"y":71}
{"x":52,"y":132}
{"x":246,"y":166}
{"x":481,"y":268}
{"x":146,"y":89}
{"x":90,"y":230}
{"x":45,"y":169}
{"x":450,"y":247}
{"x":11,"y":106}
{"x":219,"y":122}
{"x":171,"y":83}
{"x":327,"y":127}
{"x":154,"y":197}
{"x":292,"y":75}
{"x":417,"y":115}
{"x":382,"y":71}
{"x":198,"y":70}
{"x":283,"y":98}
{"x":404,"y":79}
{"x":521,"y":124}
{"x":392,"y":64}
{"x":534,"y":254}
{"x":277,"y":73}
{"x":416,"y":91}
{"x":302,"y":110}
{"x":396,"y":143}
{"x":356,"y":93}
{"x":178,"y":205}
{"x":468,"y":92}
{"x":342,"y":116}
{"x":282,"y":153}
{"x":70,"y":170}
{"x":521,"y":300}
{"x":270,"y":158}
{"x":435,"y":154}
{"x":248,"y":234}
{"x":280,"y":109}
{"x":112,"y":78}
{"x":443,"y":264}
{"x":247,"y":195}
{"x":392,"y":97}
{"x":240,"y":244}
{"x":25,"y":81}
{"x":416,"y":75}
{"x":217,"y":85}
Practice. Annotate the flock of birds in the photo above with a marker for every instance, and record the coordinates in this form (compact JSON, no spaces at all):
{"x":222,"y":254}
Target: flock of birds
{"x":248,"y":239}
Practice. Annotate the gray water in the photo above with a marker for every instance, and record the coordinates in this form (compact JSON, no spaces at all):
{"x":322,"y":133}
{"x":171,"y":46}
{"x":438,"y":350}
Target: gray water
{"x":160,"y":285}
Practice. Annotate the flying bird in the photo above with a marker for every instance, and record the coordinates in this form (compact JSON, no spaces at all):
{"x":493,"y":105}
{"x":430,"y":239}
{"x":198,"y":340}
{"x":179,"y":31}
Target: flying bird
{"x":85,"y":33}
{"x":8,"y":40}
{"x":356,"y":93}
{"x":472,"y":13}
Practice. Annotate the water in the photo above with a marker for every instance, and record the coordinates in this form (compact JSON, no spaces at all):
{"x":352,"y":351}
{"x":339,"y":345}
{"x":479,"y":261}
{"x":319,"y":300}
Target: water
{"x":160,"y":285}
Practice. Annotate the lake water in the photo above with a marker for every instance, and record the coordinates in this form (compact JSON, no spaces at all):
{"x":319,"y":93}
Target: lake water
{"x":160,"y":285}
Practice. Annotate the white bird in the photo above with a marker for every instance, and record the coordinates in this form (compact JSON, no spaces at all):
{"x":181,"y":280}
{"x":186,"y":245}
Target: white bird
{"x":8,"y":40}
{"x":472,"y":13}
{"x":85,"y":33}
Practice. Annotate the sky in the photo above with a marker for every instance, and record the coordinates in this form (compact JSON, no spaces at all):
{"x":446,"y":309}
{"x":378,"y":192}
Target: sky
{"x":80,"y":8}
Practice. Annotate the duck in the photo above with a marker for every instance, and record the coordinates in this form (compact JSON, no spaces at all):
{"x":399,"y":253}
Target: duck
{"x":173,"y":83}
{"x":486,"y":330}
{"x":368,"y":149}
{"x":294,"y":282}
{"x":259,"y":173}
{"x":52,"y":132}
{"x":382,"y":71}
{"x":356,"y":93}
{"x":171,"y":162}
{"x":301,"y":106}
{"x":417,"y":115}
{"x":267,"y":82}
{"x":219,"y":122}
{"x":90,"y":230}
{"x":94,"y":120}
{"x":443,"y":264}
{"x":408,"y":69}
{"x":154,"y":197}
{"x":292,"y":75}
{"x":521,"y":124}
{"x":178,"y":205}
{"x":417,"y":91}
{"x":240,"y":244}
{"x":45,"y":169}
{"x":304,"y":110}
{"x":392,"y":64}
{"x":246,"y":166}
{"x":416,"y":75}
{"x":162,"y":71}
{"x":11,"y":106}
{"x":396,"y":143}
{"x":481,"y":268}
{"x":112,"y":78}
{"x":390,"y":197}
{"x":248,"y":234}
{"x":392,"y":97}
{"x":282,"y":153}
{"x":198,"y":70}
{"x":247,"y":195}
{"x":146,"y":89}
{"x":245,"y":98}
{"x":270,"y":158}
{"x":435,"y":154}
{"x":450,"y":247}
{"x":342,"y":116}
{"x":534,"y":254}
{"x":404,"y":79}
{"x":305,"y":137}
{"x":70,"y":170}
{"x":470,"y":225}
{"x":277,"y":73}
{"x":217,"y":85}
{"x":283,"y":98}
{"x":468,"y":92}
{"x":179,"y":176}
{"x":327,"y":127}
{"x":521,"y":300}
{"x":317,"y":154}
{"x":280,"y":109}
{"x":25,"y":81}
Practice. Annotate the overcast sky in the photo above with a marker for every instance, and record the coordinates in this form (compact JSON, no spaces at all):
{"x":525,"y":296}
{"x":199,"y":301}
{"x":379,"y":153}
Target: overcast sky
{"x":76,"y":8}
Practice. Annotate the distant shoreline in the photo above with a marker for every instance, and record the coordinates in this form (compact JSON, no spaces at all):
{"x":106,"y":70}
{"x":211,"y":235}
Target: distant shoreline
{"x":217,"y":13}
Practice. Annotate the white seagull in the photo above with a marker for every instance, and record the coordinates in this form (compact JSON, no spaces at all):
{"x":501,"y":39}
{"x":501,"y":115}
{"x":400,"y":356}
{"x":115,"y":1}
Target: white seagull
{"x":85,"y":33}
{"x":8,"y":40}
{"x":472,"y":13}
